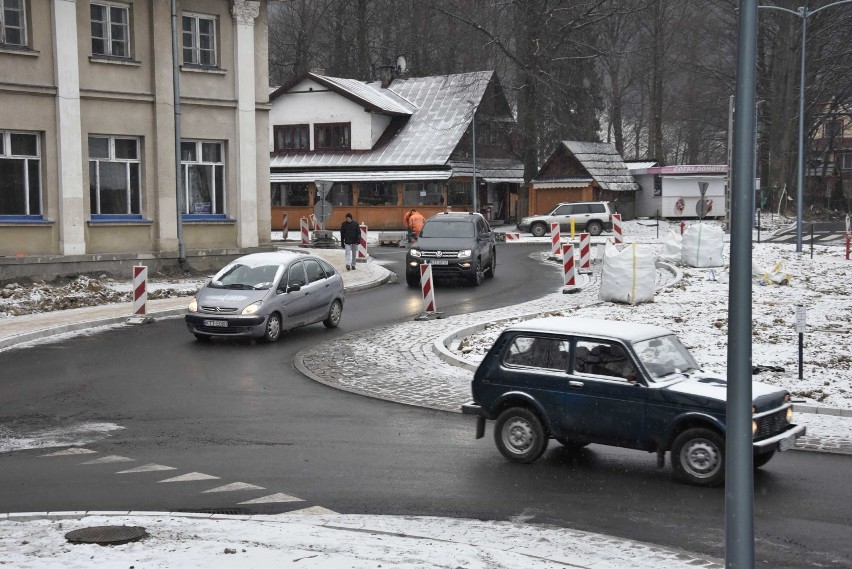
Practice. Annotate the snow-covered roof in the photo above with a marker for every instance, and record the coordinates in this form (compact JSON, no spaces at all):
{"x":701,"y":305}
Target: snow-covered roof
{"x":359,"y":175}
{"x":380,"y":99}
{"x":604,"y":164}
{"x":640,"y":165}
{"x":441,"y":114}
{"x":492,"y":170}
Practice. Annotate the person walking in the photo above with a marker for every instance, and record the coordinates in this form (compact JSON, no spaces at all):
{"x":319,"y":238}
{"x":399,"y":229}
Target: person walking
{"x":350,"y":237}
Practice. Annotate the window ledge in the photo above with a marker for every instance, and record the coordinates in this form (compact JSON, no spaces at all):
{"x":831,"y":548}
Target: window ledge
{"x":114,"y":60}
{"x":206,"y":218}
{"x":202,"y":69}
{"x":23,"y":220}
{"x":18,"y":50}
{"x":101,"y":221}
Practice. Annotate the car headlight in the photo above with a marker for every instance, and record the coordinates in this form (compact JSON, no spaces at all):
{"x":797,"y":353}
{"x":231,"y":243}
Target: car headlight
{"x":790,"y":414}
{"x":193,"y":305}
{"x":465,"y":253}
{"x":753,"y":427}
{"x":252,"y":308}
{"x":414,"y":252}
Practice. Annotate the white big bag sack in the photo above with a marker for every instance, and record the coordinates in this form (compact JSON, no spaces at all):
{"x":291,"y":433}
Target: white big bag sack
{"x":672,"y":245}
{"x":702,"y":246}
{"x":628,"y":275}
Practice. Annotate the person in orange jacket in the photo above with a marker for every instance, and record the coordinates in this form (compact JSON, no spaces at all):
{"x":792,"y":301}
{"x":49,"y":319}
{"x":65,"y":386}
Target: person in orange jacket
{"x":414,"y":220}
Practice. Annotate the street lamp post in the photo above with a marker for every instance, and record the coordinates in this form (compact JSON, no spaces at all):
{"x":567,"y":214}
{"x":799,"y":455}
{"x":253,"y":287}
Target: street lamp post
{"x":804,"y":14}
{"x":473,"y":136}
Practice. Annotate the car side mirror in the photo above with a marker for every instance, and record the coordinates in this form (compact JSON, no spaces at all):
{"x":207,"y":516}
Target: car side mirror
{"x":294,"y":288}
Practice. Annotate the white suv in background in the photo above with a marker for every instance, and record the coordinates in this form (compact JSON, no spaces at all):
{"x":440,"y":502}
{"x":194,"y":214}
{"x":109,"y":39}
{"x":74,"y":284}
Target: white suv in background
{"x":591,"y":217}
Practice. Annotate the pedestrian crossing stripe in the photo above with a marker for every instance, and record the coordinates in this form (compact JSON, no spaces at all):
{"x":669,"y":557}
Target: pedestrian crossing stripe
{"x":109,"y":459}
{"x":312,"y":511}
{"x":234,"y":487}
{"x":272,"y":499}
{"x":147,"y":468}
{"x":191,"y":477}
{"x":71,"y":452}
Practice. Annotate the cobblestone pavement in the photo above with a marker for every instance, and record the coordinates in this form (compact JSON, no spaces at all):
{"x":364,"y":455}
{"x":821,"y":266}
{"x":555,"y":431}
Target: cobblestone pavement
{"x":384,"y":363}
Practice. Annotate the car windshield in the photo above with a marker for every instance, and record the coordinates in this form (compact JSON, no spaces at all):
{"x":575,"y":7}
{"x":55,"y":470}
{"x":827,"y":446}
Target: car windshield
{"x":439,"y":228}
{"x":243,"y":277}
{"x":664,"y":356}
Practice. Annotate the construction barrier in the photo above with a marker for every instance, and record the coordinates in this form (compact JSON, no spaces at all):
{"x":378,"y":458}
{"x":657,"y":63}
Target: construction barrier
{"x":616,"y":228}
{"x":362,"y":245}
{"x":427,"y":289}
{"x":568,"y":265}
{"x":573,"y":228}
{"x":285,"y":227}
{"x":140,"y":289}
{"x":585,"y":253}
{"x":315,"y":224}
{"x":848,"y":235}
{"x":555,"y":240}
{"x":304,"y":232}
{"x":513,"y":236}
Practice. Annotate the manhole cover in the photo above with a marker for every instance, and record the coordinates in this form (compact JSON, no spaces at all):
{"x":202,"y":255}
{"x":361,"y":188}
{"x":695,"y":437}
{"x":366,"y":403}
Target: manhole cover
{"x":106,"y":535}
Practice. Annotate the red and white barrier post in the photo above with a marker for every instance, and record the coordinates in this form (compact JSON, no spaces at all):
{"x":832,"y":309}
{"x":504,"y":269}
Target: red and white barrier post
{"x":362,"y":245}
{"x":315,"y":222}
{"x":513,"y":236}
{"x":568,"y":268}
{"x":304,"y":232}
{"x":140,"y":296}
{"x":617,"y":229}
{"x":585,"y":253}
{"x":285,"y":227}
{"x":427,"y":291}
{"x":848,"y":235}
{"x":555,"y":241}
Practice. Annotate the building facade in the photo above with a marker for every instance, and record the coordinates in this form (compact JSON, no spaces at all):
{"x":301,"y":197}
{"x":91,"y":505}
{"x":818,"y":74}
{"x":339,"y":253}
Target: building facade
{"x":89,"y":174}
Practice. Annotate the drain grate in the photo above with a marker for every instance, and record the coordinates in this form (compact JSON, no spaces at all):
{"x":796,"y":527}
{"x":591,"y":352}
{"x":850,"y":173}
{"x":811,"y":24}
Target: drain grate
{"x":223,"y":512}
{"x":107,"y":535}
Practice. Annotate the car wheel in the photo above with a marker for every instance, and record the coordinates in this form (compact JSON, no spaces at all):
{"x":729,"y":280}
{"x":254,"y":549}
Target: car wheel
{"x":571,"y":444}
{"x":538,"y":229}
{"x":478,"y":274}
{"x":492,"y":267}
{"x":273,"y":328}
{"x":762,"y":459}
{"x":519,"y":435}
{"x":594,"y":228}
{"x":413,"y":279}
{"x":202,"y":338}
{"x":334,"y":315}
{"x":698,"y":457}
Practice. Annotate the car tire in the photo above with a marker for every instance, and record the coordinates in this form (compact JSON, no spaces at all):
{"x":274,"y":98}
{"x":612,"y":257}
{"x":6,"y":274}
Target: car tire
{"x":413,"y":279}
{"x":335,"y":313}
{"x":519,"y":435}
{"x":571,"y":444}
{"x":203,"y":338}
{"x":538,"y":229}
{"x":698,"y":457}
{"x":763,"y":458}
{"x":478,"y":274}
{"x":492,"y":267}
{"x":273,"y":328}
{"x":594,"y":228}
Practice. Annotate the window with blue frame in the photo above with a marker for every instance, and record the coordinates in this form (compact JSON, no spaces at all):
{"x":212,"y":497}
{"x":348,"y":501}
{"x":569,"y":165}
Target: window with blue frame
{"x":114,"y":176}
{"x":20,"y":174}
{"x":203,"y":177}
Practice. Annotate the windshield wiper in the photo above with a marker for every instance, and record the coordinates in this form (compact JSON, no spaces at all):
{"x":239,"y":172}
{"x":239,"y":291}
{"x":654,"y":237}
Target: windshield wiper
{"x":238,"y":286}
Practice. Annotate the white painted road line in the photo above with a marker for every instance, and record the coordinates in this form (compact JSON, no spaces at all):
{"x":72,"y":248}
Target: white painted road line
{"x":234,"y":487}
{"x":109,"y":459}
{"x":191,"y":477}
{"x":71,"y":452}
{"x":312,"y":511}
{"x":147,"y":468}
{"x":273,"y":499}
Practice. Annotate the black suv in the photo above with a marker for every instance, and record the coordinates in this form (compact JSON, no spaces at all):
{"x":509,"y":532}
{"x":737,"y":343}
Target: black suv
{"x":583,"y":381}
{"x":455,"y":245}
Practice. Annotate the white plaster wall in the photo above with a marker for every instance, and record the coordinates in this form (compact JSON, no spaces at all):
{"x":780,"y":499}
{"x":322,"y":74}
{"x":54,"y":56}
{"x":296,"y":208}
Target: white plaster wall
{"x":686,"y":187}
{"x":646,"y":203}
{"x":309,"y":103}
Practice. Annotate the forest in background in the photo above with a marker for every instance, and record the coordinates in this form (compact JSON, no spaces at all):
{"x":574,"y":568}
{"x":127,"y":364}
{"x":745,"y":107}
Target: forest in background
{"x":654,"y":77}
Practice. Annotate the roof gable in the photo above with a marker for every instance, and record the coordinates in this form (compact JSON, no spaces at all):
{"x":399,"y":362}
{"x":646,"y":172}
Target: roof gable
{"x":600,"y":160}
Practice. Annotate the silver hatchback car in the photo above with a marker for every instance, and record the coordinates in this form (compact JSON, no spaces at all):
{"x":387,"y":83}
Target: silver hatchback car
{"x":263,"y":294}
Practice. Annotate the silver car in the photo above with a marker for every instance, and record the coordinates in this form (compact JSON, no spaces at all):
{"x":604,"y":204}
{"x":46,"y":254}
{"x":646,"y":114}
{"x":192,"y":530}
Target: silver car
{"x":263,"y":294}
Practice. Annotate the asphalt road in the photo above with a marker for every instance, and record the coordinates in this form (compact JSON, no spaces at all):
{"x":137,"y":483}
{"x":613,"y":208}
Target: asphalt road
{"x":241,"y":412}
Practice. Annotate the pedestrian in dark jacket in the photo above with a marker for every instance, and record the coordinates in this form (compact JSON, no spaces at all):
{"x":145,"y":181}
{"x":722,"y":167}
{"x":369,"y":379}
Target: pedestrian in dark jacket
{"x":350,"y":236}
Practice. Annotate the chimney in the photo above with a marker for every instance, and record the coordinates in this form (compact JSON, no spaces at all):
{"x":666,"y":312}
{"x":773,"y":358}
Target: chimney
{"x":386,"y":75}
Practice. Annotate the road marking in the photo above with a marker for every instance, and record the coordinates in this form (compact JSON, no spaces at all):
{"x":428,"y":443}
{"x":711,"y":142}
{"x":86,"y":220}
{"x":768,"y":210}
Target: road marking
{"x":235,"y":487}
{"x":71,"y":452}
{"x":109,"y":459}
{"x":191,"y":477}
{"x":147,"y":468}
{"x":273,"y":499}
{"x":312,"y":511}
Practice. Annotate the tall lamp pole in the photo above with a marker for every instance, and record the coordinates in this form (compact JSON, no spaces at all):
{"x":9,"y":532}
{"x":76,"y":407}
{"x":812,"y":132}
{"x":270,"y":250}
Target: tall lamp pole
{"x":473,"y":136}
{"x":804,"y":14}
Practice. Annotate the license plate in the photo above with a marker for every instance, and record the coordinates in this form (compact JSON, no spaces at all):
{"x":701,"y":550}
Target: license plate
{"x":437,"y":262}
{"x":216,"y":323}
{"x":786,"y":444}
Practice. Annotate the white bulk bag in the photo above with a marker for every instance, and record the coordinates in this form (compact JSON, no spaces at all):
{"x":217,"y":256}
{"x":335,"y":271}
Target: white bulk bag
{"x":671,"y":247}
{"x":628,"y":275}
{"x":702,"y":246}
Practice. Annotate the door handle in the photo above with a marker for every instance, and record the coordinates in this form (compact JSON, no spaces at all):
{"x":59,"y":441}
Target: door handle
{"x":575,"y":383}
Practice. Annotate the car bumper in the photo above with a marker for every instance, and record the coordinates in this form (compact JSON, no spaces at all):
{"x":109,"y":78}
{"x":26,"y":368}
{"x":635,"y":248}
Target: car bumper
{"x":474,"y":409}
{"x":453,"y":268}
{"x":523,"y":226}
{"x":234,"y":325}
{"x":781,"y":441}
